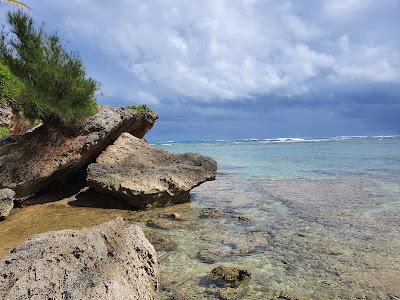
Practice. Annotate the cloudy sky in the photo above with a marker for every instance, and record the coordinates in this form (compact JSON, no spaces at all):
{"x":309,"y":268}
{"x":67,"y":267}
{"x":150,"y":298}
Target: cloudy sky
{"x":223,"y":69}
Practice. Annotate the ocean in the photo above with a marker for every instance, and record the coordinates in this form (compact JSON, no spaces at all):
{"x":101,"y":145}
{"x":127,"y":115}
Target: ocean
{"x":315,"y":218}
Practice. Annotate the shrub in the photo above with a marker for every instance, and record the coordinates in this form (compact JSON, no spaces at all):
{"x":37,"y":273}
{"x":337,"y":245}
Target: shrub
{"x":56,"y":88}
{"x":141,"y":109}
{"x":4,"y":131}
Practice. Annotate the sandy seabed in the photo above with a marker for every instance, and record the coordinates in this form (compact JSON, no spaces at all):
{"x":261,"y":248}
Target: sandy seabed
{"x":300,"y":238}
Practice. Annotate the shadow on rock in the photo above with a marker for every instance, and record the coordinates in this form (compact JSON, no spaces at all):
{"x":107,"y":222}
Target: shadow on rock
{"x":55,"y":193}
{"x":91,"y":198}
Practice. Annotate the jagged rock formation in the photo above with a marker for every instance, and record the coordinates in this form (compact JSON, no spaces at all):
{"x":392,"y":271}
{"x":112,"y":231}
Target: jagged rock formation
{"x":6,"y":202}
{"x":110,"y":261}
{"x":32,"y":161}
{"x":144,"y":176}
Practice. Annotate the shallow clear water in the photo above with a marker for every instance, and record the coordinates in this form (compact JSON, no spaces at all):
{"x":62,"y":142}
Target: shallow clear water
{"x":324,"y":219}
{"x":314,"y":219}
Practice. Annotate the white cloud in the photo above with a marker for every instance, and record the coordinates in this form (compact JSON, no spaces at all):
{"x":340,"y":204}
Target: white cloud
{"x":144,"y":97}
{"x":227,"y":49}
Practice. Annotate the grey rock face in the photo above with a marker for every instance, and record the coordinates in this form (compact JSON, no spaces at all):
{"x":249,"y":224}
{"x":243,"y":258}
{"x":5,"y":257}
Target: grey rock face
{"x":110,"y":261}
{"x":6,"y":115}
{"x":6,"y":202}
{"x":32,"y":161}
{"x":144,"y":176}
{"x":14,"y":119}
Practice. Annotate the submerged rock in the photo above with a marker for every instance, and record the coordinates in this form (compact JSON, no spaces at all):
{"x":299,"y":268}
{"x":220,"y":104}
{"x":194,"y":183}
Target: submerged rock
{"x":6,"y":202}
{"x":175,"y":216}
{"x":160,"y":242}
{"x":227,"y":293}
{"x":211,"y":255}
{"x":165,"y":223}
{"x":211,"y":213}
{"x":110,"y":261}
{"x":245,"y":244}
{"x":32,"y":161}
{"x":144,"y":176}
{"x":245,"y":219}
{"x":229,"y":276}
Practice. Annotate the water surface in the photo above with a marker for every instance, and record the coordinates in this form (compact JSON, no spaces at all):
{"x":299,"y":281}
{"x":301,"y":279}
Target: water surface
{"x":311,"y":219}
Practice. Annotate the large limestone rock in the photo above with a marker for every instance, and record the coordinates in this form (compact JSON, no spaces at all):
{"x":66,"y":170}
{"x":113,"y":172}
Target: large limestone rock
{"x":30,"y":162}
{"x":144,"y":176}
{"x":111,"y":261}
{"x":6,"y":202}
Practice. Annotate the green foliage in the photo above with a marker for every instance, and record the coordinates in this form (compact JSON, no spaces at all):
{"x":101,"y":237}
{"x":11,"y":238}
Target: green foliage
{"x":56,"y":88}
{"x":4,"y":131}
{"x":141,"y":109}
{"x":10,"y":87}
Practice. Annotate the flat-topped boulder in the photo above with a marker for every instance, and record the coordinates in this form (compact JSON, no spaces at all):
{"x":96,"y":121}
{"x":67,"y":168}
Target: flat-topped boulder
{"x":144,"y":176}
{"x":32,"y":161}
{"x":110,"y":261}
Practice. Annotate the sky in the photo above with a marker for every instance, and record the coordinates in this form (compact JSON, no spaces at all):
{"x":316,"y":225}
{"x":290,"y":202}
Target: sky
{"x":230,"y":69}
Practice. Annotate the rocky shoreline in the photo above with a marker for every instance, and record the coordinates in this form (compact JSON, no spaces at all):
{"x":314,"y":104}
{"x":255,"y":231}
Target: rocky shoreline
{"x":32,"y":161}
{"x":111,"y":260}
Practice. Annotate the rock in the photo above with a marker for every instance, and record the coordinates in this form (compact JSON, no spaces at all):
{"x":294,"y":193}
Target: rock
{"x":144,"y":176}
{"x":164,"y":224}
{"x":211,"y":213}
{"x":6,"y":115}
{"x":175,"y":216}
{"x":229,"y":276}
{"x":6,"y":202}
{"x":245,"y":244}
{"x":227,"y":293}
{"x":14,"y":119}
{"x":159,"y":242}
{"x":242,"y":218}
{"x":210,"y":255}
{"x":45,"y":155}
{"x":110,"y":261}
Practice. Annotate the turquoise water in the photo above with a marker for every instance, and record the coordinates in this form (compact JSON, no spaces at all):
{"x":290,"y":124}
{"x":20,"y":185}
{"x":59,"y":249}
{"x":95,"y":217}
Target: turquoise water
{"x":301,"y":158}
{"x":323,"y":220}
